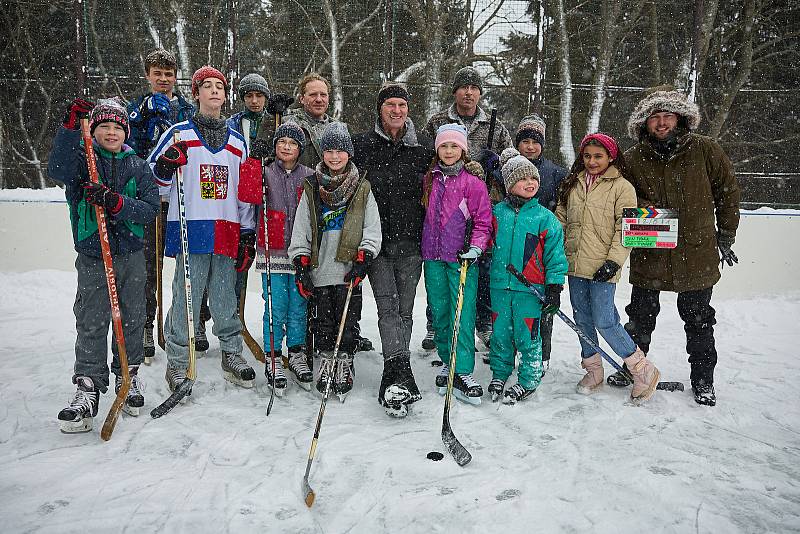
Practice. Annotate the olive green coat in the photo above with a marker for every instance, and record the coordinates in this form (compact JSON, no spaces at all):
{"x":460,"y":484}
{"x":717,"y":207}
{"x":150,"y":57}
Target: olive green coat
{"x":592,"y":223}
{"x":697,"y":180}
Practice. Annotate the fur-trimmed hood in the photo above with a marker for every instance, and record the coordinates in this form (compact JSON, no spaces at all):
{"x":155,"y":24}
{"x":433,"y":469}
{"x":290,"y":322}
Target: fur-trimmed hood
{"x":672,"y":101}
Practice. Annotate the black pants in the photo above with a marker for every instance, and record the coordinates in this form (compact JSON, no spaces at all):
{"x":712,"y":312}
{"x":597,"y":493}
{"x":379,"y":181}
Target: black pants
{"x":328,"y":305}
{"x":694,"y":307}
{"x":546,"y":331}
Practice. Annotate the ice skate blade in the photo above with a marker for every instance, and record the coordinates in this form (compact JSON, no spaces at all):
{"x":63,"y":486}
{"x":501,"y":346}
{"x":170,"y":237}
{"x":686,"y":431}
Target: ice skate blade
{"x":342,"y":396}
{"x":495,"y":397}
{"x":233,"y":379}
{"x":130,"y":410}
{"x":303,"y":385}
{"x":457,"y":393}
{"x":279,"y":391}
{"x":76,"y":427}
{"x":509,"y":401}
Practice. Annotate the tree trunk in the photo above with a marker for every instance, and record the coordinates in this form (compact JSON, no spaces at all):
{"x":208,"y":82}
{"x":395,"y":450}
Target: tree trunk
{"x":336,"y":73}
{"x":433,"y":102}
{"x":567,"y":149}
{"x":652,"y":41}
{"x":538,"y":77}
{"x":184,"y":64}
{"x":608,"y":42}
{"x":744,"y":64}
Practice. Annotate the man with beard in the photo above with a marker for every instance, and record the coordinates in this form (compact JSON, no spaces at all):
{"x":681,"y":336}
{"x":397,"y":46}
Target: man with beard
{"x":674,"y":168}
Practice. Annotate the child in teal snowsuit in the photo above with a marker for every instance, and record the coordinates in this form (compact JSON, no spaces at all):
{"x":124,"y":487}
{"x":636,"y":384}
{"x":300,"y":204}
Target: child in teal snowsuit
{"x":529,"y":237}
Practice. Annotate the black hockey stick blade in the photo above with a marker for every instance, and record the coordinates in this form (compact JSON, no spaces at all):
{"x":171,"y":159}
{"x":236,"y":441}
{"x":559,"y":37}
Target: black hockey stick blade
{"x":180,"y":392}
{"x":670,"y":386}
{"x":271,"y":395}
{"x":459,"y":452}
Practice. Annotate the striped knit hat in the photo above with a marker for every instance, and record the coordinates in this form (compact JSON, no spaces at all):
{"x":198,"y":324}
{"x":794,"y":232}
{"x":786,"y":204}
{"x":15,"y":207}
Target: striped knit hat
{"x":109,"y":110}
{"x":531,"y":127}
{"x":292,"y":131}
{"x":516,"y":167}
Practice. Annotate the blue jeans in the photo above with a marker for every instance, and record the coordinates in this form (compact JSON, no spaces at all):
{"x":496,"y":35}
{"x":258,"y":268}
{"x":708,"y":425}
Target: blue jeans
{"x":593,"y":305}
{"x":288,"y":312}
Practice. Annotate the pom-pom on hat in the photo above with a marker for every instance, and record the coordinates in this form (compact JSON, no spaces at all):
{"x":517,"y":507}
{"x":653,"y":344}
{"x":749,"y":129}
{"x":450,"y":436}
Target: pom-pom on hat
{"x":515,"y":167}
{"x":607,"y":141}
{"x":204,"y":72}
{"x":253,"y":82}
{"x":531,"y":127}
{"x":467,"y":76}
{"x":109,"y":110}
{"x":336,"y":137}
{"x":451,"y":133}
{"x":292,"y":131}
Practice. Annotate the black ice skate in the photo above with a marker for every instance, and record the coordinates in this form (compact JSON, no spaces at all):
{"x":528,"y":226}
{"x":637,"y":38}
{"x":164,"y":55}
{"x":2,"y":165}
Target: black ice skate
{"x":135,"y":399}
{"x":465,"y":388}
{"x":496,"y":388}
{"x":298,"y":366}
{"x":79,"y":415}
{"x":280,"y":376}
{"x":236,"y":371}
{"x":704,"y":393}
{"x":175,"y":378}
{"x":343,"y":378}
{"x":200,"y":339}
{"x":428,"y":344}
{"x":516,"y":393}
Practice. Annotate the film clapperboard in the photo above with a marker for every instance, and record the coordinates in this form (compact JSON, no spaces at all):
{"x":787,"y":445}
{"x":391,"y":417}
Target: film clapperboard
{"x":649,"y":228}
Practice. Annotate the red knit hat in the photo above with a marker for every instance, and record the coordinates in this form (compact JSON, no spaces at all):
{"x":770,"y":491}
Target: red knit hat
{"x":606,"y":140}
{"x":200,"y":75}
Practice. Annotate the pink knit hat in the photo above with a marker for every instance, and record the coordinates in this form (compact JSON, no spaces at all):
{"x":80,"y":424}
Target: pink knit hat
{"x":606,"y":140}
{"x":451,"y":133}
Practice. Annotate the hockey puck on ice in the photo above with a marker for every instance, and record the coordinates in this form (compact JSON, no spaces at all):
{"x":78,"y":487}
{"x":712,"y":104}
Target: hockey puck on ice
{"x":435,"y":456}
{"x":436,"y":363}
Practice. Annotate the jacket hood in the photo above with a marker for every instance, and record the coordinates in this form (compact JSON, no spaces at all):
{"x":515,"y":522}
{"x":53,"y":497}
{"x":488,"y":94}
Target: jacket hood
{"x":672,"y":101}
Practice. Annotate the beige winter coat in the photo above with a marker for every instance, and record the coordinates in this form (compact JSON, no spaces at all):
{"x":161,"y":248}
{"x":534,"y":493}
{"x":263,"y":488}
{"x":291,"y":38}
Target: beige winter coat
{"x":593,"y":223}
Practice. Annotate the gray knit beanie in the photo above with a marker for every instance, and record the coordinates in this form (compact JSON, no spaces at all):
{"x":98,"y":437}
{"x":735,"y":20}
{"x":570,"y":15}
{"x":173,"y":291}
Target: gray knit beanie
{"x":336,"y":137}
{"x":467,"y":76}
{"x":516,"y":167}
{"x":292,"y":131}
{"x":253,"y":82}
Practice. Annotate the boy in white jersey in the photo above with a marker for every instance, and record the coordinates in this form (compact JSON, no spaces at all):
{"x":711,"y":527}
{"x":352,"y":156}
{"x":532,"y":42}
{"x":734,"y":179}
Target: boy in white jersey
{"x":221,"y":235}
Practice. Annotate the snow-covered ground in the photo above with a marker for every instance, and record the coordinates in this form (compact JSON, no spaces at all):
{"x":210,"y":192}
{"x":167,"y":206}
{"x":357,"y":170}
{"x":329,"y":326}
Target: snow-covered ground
{"x":559,"y":462}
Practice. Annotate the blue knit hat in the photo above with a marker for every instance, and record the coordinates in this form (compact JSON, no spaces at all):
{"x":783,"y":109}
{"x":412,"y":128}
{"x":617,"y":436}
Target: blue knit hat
{"x":336,"y":137}
{"x":292,"y":131}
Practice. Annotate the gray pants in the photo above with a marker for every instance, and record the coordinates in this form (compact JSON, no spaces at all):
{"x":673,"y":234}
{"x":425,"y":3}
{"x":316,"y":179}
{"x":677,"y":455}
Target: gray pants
{"x":394,"y":283}
{"x":216,"y":274}
{"x":93,"y":315}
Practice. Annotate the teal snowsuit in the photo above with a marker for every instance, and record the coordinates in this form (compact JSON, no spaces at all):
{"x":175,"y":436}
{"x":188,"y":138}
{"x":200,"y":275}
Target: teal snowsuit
{"x":532,"y":240}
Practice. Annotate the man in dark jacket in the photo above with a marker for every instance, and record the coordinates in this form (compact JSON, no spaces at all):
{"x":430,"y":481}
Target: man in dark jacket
{"x":672,"y":167}
{"x":529,"y":140}
{"x":395,"y":162}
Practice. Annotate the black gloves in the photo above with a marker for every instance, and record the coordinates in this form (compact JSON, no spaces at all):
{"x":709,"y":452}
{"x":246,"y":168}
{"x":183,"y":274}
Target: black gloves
{"x":100,"y":195}
{"x":278,"y":103}
{"x":552,"y":298}
{"x":606,"y":271}
{"x":359,"y":270}
{"x":260,"y":148}
{"x":172,"y":158}
{"x":725,"y":242}
{"x":490,"y":162}
{"x":302,"y":276}
{"x":247,"y":250}
{"x":78,"y":109}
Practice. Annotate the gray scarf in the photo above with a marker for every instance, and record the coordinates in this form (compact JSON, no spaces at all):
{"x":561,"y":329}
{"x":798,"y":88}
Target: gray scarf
{"x":214,"y":131}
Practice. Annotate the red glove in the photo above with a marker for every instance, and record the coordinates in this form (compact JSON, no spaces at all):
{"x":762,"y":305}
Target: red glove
{"x":302,"y":276}
{"x":172,"y":158}
{"x":358,"y":272}
{"x":100,"y":195}
{"x":247,"y":251}
{"x":77,"y":110}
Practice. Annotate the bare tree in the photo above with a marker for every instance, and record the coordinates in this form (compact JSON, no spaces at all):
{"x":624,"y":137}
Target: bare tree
{"x":567,"y":148}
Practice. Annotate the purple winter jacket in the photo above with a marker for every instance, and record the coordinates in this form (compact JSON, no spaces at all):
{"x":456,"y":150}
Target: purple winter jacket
{"x":453,"y":201}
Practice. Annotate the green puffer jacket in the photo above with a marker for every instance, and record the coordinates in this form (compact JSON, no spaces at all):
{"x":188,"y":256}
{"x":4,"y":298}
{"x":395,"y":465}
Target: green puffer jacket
{"x":697,"y":180}
{"x":531,"y":240}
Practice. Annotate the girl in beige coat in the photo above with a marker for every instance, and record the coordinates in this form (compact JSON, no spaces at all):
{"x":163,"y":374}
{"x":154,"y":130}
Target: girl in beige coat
{"x":590,"y":203}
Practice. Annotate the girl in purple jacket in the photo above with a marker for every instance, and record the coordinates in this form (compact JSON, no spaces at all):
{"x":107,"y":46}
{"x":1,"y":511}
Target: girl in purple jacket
{"x":457,"y":228}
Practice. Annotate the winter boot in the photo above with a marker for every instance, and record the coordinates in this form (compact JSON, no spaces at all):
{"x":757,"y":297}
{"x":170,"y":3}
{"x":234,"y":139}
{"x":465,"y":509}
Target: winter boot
{"x":343,"y":378}
{"x":618,"y":379}
{"x":398,"y":388}
{"x":280,"y":376}
{"x":517,"y":393}
{"x":149,"y":346}
{"x":200,"y":339}
{"x":645,"y":376}
{"x":79,"y":415}
{"x":298,"y":365}
{"x":327,"y":368}
{"x":236,"y":371}
{"x":704,"y":392}
{"x":363,"y":344}
{"x":174,"y":379}
{"x":441,"y":378}
{"x":496,"y":388}
{"x":428,"y":343}
{"x":593,"y":379}
{"x":135,"y":398}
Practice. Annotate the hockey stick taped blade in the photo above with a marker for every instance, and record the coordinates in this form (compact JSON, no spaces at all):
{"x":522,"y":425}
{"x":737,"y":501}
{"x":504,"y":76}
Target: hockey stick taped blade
{"x":459,"y":452}
{"x":308,"y":493}
{"x":670,"y":386}
{"x":180,"y":392}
